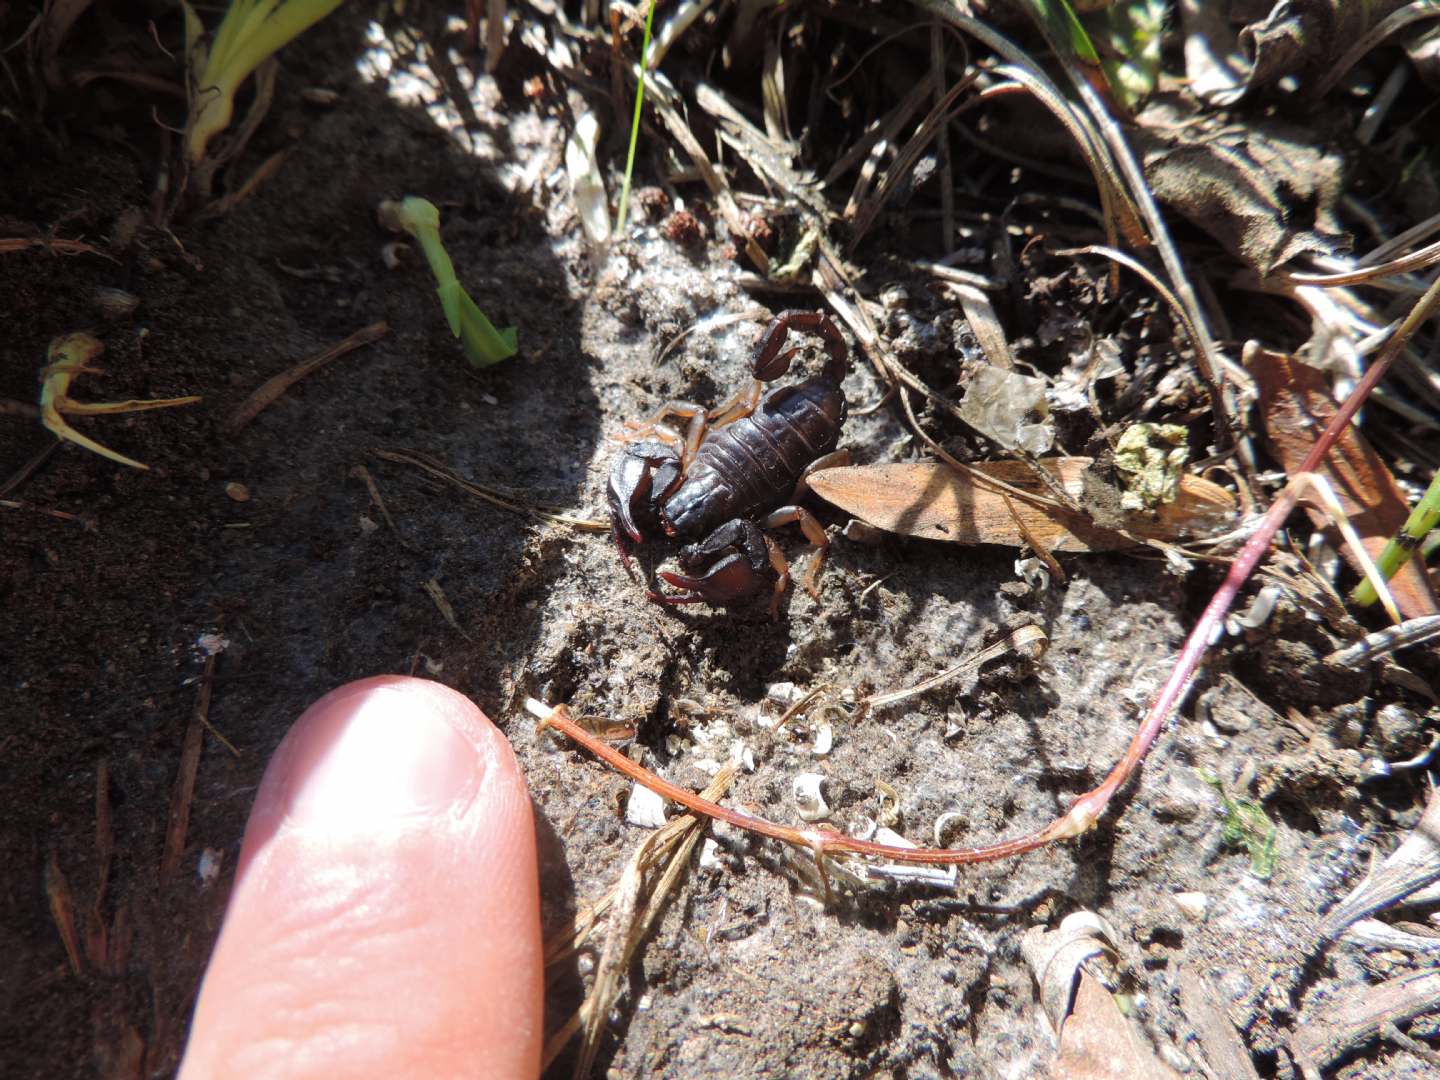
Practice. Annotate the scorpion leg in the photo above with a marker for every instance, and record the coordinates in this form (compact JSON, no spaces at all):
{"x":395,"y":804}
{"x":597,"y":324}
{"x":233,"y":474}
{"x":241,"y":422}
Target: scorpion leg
{"x":814,"y":532}
{"x":697,"y":419}
{"x":738,"y":407}
{"x":834,"y":460}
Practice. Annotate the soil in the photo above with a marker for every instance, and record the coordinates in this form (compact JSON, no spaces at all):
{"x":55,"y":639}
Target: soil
{"x":110,"y":615}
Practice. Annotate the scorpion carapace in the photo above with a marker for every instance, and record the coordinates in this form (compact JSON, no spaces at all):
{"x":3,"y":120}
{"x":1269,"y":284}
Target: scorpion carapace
{"x":734,"y":471}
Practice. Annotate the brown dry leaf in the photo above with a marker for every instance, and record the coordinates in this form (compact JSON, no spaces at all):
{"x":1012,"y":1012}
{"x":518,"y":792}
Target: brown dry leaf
{"x":1097,"y":1042}
{"x":1296,"y":402}
{"x":1055,"y":958}
{"x":933,"y":501}
{"x":1264,"y":191}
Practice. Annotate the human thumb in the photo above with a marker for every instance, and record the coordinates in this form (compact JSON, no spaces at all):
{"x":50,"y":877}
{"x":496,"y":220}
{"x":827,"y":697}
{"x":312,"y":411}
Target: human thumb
{"x":385,"y":916}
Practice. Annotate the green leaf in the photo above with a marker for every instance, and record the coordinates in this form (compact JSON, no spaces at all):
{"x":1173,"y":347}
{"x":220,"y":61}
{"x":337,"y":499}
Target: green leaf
{"x":484,"y":345}
{"x":1246,"y":826}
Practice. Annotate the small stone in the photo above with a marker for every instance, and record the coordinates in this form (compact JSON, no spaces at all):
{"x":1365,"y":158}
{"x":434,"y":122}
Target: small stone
{"x":1192,"y":905}
{"x":237,"y":491}
{"x":645,"y":808}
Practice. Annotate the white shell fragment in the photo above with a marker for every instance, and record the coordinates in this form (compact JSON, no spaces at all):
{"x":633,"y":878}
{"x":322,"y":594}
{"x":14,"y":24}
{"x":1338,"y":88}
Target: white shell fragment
{"x":824,"y":738}
{"x":784,"y":693}
{"x":944,"y":820}
{"x":644,"y":808}
{"x":805,"y":789}
{"x":1192,"y":905}
{"x":208,"y":868}
{"x":1033,"y":572}
{"x":709,"y":855}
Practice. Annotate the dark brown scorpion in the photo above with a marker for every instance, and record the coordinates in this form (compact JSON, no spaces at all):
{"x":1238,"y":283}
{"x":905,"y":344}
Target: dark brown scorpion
{"x":746,"y":460}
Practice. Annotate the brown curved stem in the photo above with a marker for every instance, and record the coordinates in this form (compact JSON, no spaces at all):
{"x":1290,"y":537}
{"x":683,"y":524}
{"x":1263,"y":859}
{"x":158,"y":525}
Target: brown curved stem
{"x":1088,"y":808}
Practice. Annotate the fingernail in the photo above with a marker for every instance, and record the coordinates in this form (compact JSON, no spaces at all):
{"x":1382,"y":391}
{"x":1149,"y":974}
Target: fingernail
{"x":374,"y":757}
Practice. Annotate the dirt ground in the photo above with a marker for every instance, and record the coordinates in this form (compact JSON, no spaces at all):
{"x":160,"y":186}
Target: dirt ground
{"x":106,"y":617}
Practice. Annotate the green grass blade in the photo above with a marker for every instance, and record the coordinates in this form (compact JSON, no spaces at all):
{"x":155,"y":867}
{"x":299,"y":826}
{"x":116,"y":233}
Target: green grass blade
{"x":635,"y":123}
{"x":1402,"y":545}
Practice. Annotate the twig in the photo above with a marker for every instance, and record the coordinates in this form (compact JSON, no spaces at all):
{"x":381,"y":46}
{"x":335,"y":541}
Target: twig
{"x":543,"y":511}
{"x":1383,"y":642}
{"x":274,"y":388}
{"x":184,"y":794}
{"x":1026,"y":640}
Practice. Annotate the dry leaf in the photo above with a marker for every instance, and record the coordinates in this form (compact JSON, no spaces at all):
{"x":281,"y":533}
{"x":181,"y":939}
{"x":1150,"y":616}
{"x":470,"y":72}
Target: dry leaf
{"x":1265,"y":192}
{"x":1296,"y":402}
{"x":933,"y":501}
{"x":1097,"y":1042}
{"x":1055,"y":958}
{"x":1306,"y":38}
{"x":587,"y":185}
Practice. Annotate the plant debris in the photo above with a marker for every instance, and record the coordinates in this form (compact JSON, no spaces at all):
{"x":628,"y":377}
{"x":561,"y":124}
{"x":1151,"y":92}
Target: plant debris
{"x":1003,"y":502}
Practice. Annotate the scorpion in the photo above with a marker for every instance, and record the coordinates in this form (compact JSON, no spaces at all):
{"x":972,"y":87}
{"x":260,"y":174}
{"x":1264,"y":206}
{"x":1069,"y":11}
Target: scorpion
{"x":748,"y":459}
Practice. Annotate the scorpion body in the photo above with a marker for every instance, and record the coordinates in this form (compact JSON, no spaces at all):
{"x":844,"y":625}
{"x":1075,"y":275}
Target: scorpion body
{"x":745,"y":461}
{"x":746,"y":468}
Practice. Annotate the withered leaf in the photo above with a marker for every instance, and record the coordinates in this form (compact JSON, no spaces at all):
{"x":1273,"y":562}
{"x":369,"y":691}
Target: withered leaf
{"x":933,"y":501}
{"x":1098,"y":1043}
{"x":1265,"y":191}
{"x":1296,"y":402}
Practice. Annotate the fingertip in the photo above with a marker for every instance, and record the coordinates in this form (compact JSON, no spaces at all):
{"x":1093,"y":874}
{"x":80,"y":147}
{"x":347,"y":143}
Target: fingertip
{"x":386,"y":905}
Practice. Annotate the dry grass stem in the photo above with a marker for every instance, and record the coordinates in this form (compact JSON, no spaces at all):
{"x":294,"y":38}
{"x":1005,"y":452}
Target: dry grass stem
{"x":634,"y":912}
{"x":1027,"y":641}
{"x":274,"y":388}
{"x":541,"y":511}
{"x":184,"y":793}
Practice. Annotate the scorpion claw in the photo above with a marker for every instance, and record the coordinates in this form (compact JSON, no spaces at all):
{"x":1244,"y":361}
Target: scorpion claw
{"x":730,"y":581}
{"x":639,"y":481}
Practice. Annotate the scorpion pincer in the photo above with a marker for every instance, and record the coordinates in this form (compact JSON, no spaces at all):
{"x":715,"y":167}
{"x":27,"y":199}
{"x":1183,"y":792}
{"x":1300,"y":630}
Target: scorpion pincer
{"x":735,"y":471}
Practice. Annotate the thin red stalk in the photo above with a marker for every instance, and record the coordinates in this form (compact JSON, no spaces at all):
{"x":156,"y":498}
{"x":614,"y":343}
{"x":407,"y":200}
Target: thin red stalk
{"x":1088,"y":808}
{"x":819,"y":841}
{"x":1250,"y":555}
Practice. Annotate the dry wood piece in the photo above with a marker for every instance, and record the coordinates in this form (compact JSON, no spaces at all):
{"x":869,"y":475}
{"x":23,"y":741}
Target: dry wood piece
{"x":1223,"y":1049}
{"x":932,"y":501}
{"x":272,"y":389}
{"x":1359,"y":1015}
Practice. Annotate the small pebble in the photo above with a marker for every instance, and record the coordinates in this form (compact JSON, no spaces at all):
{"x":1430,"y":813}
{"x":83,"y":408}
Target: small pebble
{"x":321,"y":96}
{"x":237,"y":491}
{"x":1192,"y":905}
{"x":115,"y":303}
